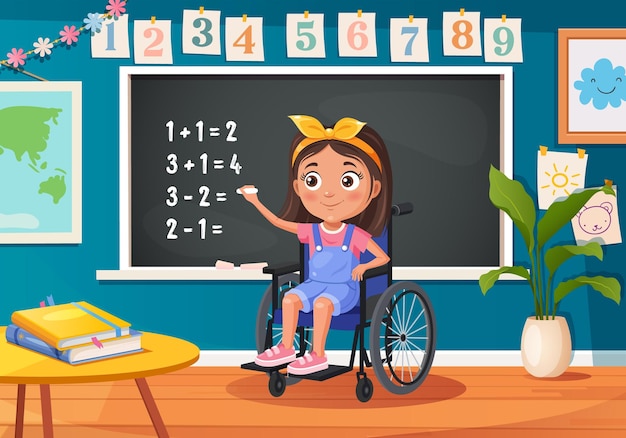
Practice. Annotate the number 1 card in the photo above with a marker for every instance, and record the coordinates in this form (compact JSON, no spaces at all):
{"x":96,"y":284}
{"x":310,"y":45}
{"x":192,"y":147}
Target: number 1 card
{"x":112,"y":41}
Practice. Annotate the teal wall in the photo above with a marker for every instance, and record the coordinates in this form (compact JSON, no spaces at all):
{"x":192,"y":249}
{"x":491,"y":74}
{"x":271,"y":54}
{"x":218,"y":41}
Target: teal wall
{"x":219,"y":314}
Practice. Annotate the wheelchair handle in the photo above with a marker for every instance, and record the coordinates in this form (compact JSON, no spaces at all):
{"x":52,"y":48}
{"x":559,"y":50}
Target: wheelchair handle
{"x":402,"y":208}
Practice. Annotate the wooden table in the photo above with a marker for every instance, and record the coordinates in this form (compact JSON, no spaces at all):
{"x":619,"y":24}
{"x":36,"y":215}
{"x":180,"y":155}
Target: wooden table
{"x":162,"y":354}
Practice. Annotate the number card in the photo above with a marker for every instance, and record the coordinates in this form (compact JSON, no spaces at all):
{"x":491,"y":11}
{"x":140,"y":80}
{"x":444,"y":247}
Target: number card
{"x":503,"y":39}
{"x":153,"y":42}
{"x":357,"y":34}
{"x":244,"y":39}
{"x":305,"y":36}
{"x":112,"y":41}
{"x":409,"y":39}
{"x":461,"y":34}
{"x":201,"y":32}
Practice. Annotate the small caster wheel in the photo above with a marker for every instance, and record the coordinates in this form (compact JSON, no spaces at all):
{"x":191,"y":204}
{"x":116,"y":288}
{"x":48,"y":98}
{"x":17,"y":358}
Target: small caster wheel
{"x":364,"y":389}
{"x":277,"y":384}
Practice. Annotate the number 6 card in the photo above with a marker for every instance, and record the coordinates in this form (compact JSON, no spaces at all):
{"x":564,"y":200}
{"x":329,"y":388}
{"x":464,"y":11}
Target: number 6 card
{"x":357,"y":34}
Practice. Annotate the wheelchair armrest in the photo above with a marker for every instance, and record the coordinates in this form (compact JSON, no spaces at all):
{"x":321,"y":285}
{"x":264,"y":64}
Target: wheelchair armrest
{"x":375,"y":272}
{"x":281,"y":269}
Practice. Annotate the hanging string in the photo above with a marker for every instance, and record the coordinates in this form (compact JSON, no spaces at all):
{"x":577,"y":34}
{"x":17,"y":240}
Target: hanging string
{"x":43,"y":47}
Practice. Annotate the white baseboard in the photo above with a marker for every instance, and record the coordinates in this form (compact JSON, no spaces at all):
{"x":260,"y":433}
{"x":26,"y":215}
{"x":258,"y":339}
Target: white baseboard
{"x":445,"y":358}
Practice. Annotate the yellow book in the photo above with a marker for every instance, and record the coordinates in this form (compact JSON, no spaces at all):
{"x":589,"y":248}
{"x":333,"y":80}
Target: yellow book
{"x":67,"y":325}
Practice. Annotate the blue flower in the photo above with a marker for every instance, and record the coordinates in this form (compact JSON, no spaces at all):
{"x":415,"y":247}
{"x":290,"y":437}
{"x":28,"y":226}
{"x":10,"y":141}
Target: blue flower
{"x":93,"y":22}
{"x":603,"y":85}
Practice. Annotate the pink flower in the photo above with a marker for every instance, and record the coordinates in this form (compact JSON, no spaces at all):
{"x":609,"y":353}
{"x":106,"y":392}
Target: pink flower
{"x":69,"y":35}
{"x":16,"y":57}
{"x":116,"y":7}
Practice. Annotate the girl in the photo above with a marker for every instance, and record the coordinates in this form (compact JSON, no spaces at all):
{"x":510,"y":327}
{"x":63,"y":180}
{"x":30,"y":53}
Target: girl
{"x":339,"y":195}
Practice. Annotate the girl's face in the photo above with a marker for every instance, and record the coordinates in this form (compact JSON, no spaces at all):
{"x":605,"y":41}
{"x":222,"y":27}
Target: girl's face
{"x":333,"y":187}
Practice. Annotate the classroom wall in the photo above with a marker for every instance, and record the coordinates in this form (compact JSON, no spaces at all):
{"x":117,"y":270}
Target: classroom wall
{"x":220,"y":315}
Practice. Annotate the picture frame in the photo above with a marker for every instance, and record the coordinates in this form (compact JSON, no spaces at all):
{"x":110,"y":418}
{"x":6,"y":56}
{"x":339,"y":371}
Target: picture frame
{"x":591,"y":86}
{"x":41,"y":162}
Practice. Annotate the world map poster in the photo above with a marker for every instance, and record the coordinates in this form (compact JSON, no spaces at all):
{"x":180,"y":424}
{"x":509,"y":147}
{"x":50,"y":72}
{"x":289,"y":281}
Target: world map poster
{"x":40,"y":162}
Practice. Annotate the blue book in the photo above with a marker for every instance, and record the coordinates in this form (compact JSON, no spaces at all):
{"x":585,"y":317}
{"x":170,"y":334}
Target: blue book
{"x":78,"y":354}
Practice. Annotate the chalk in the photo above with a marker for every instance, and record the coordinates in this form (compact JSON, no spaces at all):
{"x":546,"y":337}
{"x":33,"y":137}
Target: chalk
{"x":249,"y":191}
{"x":221,"y":264}
{"x":259,"y":265}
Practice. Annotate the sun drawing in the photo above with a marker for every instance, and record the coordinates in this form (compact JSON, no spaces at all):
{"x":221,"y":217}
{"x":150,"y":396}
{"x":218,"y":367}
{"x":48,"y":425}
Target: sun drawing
{"x":561,"y":180}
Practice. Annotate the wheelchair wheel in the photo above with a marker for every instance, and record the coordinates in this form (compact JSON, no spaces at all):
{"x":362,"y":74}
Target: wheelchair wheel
{"x":277,"y":384}
{"x":364,"y":389}
{"x":264,"y":316}
{"x":402,"y":337}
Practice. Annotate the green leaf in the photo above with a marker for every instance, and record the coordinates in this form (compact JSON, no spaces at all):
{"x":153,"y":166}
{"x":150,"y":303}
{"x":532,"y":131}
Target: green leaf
{"x":557,"y":255}
{"x":510,"y":196}
{"x":488,"y":279}
{"x":561,"y":212}
{"x":607,"y":286}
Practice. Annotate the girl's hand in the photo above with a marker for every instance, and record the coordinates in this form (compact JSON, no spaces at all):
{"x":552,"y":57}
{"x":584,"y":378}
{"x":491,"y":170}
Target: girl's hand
{"x":249,"y":192}
{"x":358,"y":271}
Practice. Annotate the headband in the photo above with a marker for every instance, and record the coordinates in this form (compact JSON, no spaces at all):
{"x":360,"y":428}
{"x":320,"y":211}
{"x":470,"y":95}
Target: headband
{"x":345,"y":130}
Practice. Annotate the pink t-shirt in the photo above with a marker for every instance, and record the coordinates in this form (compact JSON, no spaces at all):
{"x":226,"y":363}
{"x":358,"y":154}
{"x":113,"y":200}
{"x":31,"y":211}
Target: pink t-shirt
{"x":358,"y":243}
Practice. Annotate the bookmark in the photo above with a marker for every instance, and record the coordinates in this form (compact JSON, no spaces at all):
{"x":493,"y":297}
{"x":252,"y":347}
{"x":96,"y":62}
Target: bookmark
{"x":97,"y":343}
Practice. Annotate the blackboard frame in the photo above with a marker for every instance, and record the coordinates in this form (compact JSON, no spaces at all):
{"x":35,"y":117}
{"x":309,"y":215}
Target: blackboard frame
{"x":127,"y":271}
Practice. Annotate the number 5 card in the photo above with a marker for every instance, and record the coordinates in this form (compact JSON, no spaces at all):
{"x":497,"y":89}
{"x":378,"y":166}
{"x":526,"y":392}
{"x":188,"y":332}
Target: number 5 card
{"x":305,"y":36}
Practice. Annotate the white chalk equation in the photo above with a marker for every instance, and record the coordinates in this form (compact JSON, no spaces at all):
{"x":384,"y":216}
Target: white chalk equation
{"x":205,"y":164}
{"x":201,"y":131}
{"x":201,"y":229}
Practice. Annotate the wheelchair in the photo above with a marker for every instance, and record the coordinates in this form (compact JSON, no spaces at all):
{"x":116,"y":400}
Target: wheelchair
{"x":398,"y":316}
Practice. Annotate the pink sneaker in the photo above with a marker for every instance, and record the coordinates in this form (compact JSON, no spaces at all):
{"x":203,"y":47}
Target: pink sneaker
{"x":307,"y":364}
{"x":275,"y":356}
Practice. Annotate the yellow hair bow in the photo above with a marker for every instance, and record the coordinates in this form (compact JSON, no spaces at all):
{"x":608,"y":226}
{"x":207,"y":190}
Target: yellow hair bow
{"x":344,"y":130}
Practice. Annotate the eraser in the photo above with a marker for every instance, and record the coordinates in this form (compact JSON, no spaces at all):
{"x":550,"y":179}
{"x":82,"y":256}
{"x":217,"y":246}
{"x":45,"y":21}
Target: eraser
{"x":259,"y":265}
{"x":221,"y":264}
{"x":250,"y":190}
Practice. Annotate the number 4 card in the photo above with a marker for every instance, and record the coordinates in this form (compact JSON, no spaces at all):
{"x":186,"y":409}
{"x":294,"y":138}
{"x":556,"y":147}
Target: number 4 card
{"x":153,"y":42}
{"x":244,"y":39}
{"x":305,"y":36}
{"x":503,"y":40}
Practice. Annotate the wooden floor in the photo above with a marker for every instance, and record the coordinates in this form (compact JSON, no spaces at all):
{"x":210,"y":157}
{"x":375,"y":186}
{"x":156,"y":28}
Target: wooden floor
{"x":225,"y":402}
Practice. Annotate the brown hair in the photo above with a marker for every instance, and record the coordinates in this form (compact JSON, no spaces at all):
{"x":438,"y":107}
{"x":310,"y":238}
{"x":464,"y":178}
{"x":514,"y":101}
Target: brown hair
{"x":376,"y":216}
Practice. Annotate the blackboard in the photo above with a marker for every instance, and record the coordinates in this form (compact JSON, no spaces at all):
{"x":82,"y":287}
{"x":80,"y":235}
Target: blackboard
{"x":443,"y":128}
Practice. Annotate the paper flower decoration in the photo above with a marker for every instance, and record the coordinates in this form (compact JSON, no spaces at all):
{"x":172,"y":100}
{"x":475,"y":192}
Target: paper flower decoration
{"x":69,"y":34}
{"x":16,"y":57}
{"x":43,"y":46}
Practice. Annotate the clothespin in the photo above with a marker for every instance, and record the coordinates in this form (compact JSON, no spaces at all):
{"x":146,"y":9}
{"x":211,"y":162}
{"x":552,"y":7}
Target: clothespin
{"x":608,"y":183}
{"x":244,"y":17}
{"x":503,"y":18}
{"x":581,"y":153}
{"x":306,"y":14}
{"x":152,"y":19}
{"x":462,"y":11}
{"x":410,"y":18}
{"x":543,"y":150}
{"x":201,"y":10}
{"x":359,"y":13}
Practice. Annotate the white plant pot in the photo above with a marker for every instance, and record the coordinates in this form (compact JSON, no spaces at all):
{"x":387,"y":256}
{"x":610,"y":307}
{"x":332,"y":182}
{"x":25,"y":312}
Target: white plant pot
{"x":546,"y":346}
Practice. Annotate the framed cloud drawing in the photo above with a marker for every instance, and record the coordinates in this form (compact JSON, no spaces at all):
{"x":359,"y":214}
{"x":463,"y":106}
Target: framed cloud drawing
{"x":592,"y":86}
{"x":40,"y":162}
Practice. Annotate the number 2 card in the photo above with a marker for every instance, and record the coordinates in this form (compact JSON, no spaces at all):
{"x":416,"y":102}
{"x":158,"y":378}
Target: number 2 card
{"x":153,"y":42}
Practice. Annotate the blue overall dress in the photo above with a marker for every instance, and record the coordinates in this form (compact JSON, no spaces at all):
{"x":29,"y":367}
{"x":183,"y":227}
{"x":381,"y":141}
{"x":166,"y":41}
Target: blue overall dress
{"x":330,"y":275}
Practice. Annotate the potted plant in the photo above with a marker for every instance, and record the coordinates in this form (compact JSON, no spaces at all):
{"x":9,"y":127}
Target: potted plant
{"x":546,"y":341}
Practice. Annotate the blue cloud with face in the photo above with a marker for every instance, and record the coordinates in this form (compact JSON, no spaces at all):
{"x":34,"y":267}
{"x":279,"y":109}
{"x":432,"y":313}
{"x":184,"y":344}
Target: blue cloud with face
{"x":602,"y":85}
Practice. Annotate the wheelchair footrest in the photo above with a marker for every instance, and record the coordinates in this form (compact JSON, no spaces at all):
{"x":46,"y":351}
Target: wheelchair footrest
{"x":254,"y":367}
{"x":331,"y":371}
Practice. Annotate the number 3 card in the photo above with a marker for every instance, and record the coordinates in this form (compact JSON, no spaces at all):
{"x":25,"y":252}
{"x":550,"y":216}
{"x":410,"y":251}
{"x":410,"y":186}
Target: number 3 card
{"x":503,"y":40}
{"x":153,"y":42}
{"x":201,"y":32}
{"x":461,"y":34}
{"x":305,"y":36}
